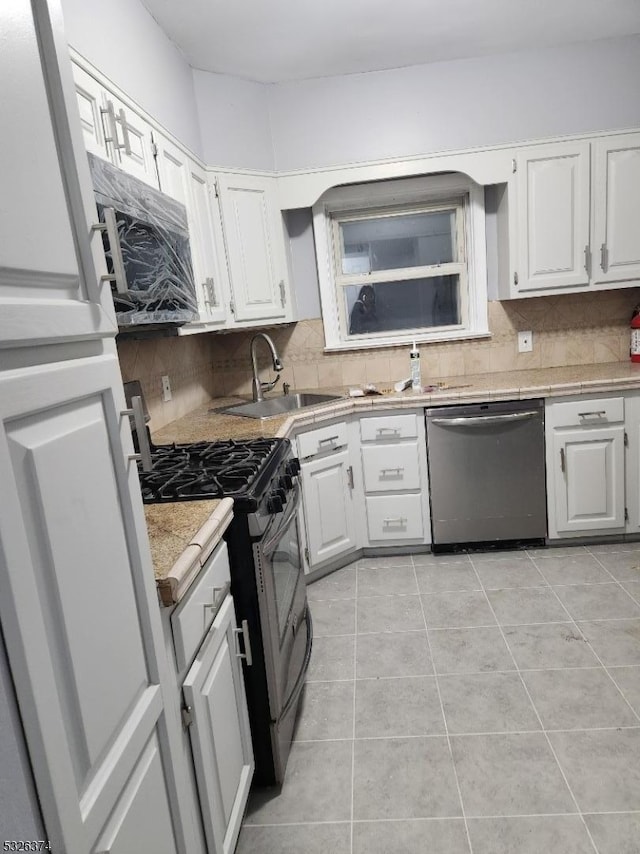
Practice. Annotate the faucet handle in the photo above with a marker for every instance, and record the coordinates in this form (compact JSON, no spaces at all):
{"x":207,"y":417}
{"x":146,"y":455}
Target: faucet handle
{"x":269,"y":385}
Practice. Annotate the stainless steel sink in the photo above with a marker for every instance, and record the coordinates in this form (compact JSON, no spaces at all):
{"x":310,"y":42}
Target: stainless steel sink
{"x":274,"y":406}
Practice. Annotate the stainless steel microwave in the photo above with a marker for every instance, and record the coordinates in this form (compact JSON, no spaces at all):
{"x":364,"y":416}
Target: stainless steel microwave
{"x":146,"y":243}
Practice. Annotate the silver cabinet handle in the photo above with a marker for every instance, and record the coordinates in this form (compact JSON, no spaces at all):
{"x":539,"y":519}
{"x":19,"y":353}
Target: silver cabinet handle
{"x":587,"y":260}
{"x":328,"y":440}
{"x":119,"y":275}
{"x":350,"y":477}
{"x":398,"y":520}
{"x":600,"y":414}
{"x":392,"y":430}
{"x":604,"y":258}
{"x":283,"y":297}
{"x":562,"y":461}
{"x":478,"y":420}
{"x":141,"y":430}
{"x":126,"y":140}
{"x":244,"y":631}
{"x":110,"y":113}
{"x":398,"y":471}
{"x":210,"y":289}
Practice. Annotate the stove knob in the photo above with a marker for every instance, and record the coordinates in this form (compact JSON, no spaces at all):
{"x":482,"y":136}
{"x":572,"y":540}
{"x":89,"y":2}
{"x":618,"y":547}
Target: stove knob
{"x":292,"y":467}
{"x":282,"y":495}
{"x":274,"y":503}
{"x":285,"y":482}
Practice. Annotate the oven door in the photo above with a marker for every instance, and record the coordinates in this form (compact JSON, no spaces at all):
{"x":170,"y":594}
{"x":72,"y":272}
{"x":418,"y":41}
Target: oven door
{"x":282,"y":594}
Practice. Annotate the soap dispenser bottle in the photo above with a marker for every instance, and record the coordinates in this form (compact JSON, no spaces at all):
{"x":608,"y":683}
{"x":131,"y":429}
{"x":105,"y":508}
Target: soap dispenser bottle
{"x":414,"y":356}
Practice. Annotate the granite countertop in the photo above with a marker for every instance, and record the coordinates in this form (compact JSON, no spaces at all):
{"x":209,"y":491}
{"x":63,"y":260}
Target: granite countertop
{"x":183,"y":534}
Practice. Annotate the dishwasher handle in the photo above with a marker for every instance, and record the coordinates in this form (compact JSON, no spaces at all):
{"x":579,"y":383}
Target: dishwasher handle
{"x":478,"y":420}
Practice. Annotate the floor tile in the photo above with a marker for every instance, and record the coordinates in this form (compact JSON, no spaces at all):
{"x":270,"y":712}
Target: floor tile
{"x":557,"y":551}
{"x":496,"y":574}
{"x":398,"y":707}
{"x":623,"y":565}
{"x":633,"y":588}
{"x":333,"y":617}
{"x":404,"y":778}
{"x":322,"y":795}
{"x":490,"y":556}
{"x":616,"y":642}
{"x":292,"y":839}
{"x":628,"y":681}
{"x":410,"y":836}
{"x":615,"y":834}
{"x":389,"y":614}
{"x":597,"y":602}
{"x":332,"y":658}
{"x":554,"y":834}
{"x":386,"y":580}
{"x":602,"y":767}
{"x":456,"y":610}
{"x":393,"y":654}
{"x":340,"y":584}
{"x":548,"y":645}
{"x":578,"y":699}
{"x":325,"y":711}
{"x":530,"y":605}
{"x":433,"y":578}
{"x":514,"y":774}
{"x":390,"y":560}
{"x":486,"y":702}
{"x":469,"y":650}
{"x":572,"y":570}
{"x":441,"y":560}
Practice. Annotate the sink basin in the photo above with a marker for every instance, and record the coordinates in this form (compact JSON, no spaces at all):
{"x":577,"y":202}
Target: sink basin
{"x":274,"y":406}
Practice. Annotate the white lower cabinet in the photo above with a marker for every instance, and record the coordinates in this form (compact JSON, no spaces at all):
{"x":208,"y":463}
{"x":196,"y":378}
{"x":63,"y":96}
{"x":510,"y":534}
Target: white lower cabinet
{"x":219,"y":731}
{"x":394,"y":478}
{"x":586,"y":491}
{"x":327,"y":477}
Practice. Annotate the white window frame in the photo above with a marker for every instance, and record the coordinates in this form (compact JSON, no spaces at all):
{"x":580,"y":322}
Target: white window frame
{"x":407,"y":196}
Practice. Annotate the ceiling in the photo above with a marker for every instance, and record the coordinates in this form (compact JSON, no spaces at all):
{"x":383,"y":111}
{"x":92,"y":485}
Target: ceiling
{"x":272,"y":41}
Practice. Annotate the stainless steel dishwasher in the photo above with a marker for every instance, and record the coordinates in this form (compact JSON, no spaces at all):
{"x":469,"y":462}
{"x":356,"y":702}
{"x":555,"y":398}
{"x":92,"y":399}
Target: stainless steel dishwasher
{"x":487,"y":473}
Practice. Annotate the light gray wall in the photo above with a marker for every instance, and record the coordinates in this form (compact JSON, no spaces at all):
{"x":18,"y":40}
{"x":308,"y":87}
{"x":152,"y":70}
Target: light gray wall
{"x":302,"y":262}
{"x":234,"y":119}
{"x":454,"y":105}
{"x":19,"y":810}
{"x":124,"y":42}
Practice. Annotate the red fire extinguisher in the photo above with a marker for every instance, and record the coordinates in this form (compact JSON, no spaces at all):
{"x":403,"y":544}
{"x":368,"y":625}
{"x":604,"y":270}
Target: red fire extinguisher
{"x":635,"y":335}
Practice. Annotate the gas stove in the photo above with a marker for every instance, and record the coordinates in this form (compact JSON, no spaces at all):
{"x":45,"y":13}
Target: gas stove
{"x":250,"y":471}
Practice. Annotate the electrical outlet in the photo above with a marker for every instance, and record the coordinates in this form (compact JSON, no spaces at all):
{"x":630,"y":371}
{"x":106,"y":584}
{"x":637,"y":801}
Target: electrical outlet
{"x":166,"y":389}
{"x":525,"y":342}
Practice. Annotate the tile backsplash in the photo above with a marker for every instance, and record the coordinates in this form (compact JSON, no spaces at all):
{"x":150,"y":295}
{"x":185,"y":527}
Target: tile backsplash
{"x":567,"y":330}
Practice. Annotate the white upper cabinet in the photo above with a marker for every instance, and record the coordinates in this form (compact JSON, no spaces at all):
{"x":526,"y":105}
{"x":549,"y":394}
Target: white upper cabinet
{"x":570,"y":218}
{"x":553,"y":217}
{"x":616,"y":162}
{"x":254,"y":240}
{"x":113,"y":130}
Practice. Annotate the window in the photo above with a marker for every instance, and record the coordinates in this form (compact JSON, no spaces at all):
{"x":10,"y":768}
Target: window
{"x":402,"y":260}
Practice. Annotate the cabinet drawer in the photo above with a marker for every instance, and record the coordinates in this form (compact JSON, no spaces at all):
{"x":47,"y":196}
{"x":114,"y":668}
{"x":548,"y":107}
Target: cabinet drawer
{"x":388,"y":427}
{"x":322,"y":440}
{"x":585,"y":413}
{"x":192,"y":617}
{"x":389,"y":468}
{"x":397,"y":517}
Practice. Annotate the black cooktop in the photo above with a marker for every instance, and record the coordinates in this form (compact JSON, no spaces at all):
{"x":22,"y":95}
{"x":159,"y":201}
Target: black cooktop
{"x":241,"y":470}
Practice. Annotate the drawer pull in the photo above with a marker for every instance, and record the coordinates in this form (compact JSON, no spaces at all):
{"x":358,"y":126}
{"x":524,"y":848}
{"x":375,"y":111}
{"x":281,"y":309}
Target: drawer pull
{"x":397,"y":471}
{"x":244,"y":631}
{"x":601,"y":414}
{"x":328,"y":440}
{"x":391,"y":430}
{"x":398,"y":520}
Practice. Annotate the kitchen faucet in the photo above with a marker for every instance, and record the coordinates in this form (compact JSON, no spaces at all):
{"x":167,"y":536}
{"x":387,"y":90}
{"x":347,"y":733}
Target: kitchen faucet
{"x":260,"y":387}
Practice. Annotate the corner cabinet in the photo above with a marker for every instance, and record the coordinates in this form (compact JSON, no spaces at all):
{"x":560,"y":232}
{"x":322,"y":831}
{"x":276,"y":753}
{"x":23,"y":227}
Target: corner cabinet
{"x":254,"y":241}
{"x":569,"y":218}
{"x":328,"y":485}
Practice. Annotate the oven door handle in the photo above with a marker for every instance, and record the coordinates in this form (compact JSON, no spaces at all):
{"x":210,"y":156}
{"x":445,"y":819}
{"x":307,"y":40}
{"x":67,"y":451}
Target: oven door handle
{"x":271,"y":538}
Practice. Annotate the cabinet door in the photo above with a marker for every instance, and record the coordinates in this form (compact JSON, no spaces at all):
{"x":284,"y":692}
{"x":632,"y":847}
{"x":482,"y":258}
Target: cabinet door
{"x":131,"y":141}
{"x":327,"y":486}
{"x":220,"y":735}
{"x":49,"y":271}
{"x":552,"y":227}
{"x":617,"y":208}
{"x":91,"y":97}
{"x":254,"y":241}
{"x":632,"y":470}
{"x":79,"y":607}
{"x":587,"y":467}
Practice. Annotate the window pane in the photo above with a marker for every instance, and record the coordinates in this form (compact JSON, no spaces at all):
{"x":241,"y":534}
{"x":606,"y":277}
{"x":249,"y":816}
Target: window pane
{"x":407,"y":304}
{"x":394,"y":242}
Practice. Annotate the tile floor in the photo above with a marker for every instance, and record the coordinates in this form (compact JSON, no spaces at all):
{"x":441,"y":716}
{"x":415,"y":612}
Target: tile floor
{"x":469,"y":704}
